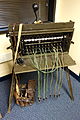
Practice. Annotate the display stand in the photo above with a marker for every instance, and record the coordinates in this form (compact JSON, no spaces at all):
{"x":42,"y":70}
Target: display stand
{"x":42,"y":36}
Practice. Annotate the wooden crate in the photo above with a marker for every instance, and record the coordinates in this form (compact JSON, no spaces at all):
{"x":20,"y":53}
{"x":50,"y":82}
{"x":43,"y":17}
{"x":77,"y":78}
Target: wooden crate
{"x":26,"y":94}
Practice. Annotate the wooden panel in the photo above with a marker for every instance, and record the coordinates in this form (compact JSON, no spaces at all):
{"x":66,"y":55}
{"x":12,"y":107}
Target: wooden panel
{"x":44,"y":28}
{"x":6,"y":68}
{"x":52,"y":25}
{"x":29,"y":67}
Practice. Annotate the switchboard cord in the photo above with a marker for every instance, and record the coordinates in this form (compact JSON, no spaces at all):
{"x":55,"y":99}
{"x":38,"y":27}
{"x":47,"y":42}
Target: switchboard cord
{"x":45,"y":74}
{"x":39,"y":75}
{"x":61,"y":70}
{"x":56,"y":83}
{"x":46,"y":68}
{"x":55,"y":65}
{"x":34,"y":64}
{"x":58,"y":80}
{"x":53,"y":62}
{"x":40,"y":81}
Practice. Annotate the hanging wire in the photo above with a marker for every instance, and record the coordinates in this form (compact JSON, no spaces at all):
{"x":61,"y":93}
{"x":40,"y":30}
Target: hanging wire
{"x":46,"y":68}
{"x":55,"y":87}
{"x":61,"y":71}
{"x":53,"y":63}
{"x":56,"y":63}
{"x":34,"y":64}
{"x":44,"y":84}
{"x":40,"y":60}
{"x":45,"y":75}
{"x":39,"y":78}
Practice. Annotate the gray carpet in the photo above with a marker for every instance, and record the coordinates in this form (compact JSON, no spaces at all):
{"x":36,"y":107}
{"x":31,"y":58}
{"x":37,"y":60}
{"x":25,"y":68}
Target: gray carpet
{"x":61,"y":108}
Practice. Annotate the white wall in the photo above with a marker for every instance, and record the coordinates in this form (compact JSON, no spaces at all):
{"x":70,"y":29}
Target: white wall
{"x":5,"y":55}
{"x":70,"y":10}
{"x":65,"y":10}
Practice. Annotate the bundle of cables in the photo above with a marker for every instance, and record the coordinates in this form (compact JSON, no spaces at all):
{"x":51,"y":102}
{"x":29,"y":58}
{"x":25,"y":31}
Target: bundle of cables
{"x":45,"y":86}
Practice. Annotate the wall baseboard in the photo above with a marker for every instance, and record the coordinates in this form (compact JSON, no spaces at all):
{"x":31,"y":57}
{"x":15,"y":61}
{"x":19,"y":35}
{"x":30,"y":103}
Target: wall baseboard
{"x":4,"y":57}
{"x":74,"y":75}
{"x":5,"y":77}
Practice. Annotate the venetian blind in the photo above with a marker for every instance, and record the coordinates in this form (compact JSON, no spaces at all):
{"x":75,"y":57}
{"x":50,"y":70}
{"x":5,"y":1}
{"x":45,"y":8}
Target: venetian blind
{"x":20,"y":11}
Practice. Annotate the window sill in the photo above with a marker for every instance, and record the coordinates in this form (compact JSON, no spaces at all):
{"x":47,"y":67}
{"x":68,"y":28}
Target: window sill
{"x":3,"y":30}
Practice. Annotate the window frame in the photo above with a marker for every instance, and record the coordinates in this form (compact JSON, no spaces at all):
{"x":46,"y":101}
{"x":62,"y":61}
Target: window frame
{"x":3,"y":29}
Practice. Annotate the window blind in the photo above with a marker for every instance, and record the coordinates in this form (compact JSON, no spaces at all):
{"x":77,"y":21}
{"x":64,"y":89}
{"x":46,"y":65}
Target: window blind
{"x":20,"y":11}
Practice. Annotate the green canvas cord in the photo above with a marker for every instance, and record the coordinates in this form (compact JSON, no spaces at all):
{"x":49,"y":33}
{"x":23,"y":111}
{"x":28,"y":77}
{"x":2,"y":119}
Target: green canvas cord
{"x":44,"y":84}
{"x":36,"y":61}
{"x":55,"y":87}
{"x":39,"y":76}
{"x":58,"y":83}
{"x":53,"y":63}
{"x":51,"y":82}
{"x":44,"y":87}
{"x":61,"y":71}
{"x":46,"y":74}
{"x":60,"y":78}
{"x":40,"y":72}
{"x":47,"y":85}
{"x":37,"y":67}
{"x":39,"y":88}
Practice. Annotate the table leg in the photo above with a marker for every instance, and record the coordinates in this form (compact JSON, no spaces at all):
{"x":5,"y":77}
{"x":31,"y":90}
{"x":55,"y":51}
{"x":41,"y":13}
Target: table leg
{"x":69,"y":83}
{"x":11,"y":91}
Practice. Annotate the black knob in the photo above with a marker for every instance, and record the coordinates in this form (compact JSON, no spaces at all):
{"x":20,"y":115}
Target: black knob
{"x":20,"y":61}
{"x":35,"y":7}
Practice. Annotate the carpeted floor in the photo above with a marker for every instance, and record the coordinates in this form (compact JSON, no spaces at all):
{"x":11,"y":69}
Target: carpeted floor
{"x":61,"y":108}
